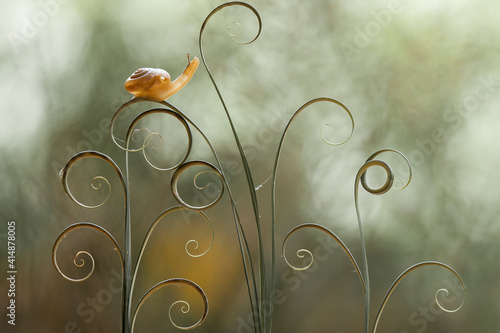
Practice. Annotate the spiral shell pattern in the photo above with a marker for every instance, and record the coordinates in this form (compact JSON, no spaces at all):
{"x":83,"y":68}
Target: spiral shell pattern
{"x":144,"y":79}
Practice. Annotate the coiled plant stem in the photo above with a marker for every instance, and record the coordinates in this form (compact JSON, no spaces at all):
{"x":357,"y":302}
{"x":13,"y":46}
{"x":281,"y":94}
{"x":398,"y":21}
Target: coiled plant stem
{"x":361,"y":179}
{"x":181,"y":165}
{"x":251,"y":185}
{"x":275,"y":172}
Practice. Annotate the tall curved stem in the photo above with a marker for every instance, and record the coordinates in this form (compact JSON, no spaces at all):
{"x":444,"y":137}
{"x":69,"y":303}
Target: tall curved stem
{"x":275,"y":172}
{"x":361,"y":179}
{"x":127,"y":249}
{"x":251,"y":185}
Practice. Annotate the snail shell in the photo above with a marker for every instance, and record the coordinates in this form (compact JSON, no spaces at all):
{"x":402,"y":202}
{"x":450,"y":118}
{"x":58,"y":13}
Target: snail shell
{"x":155,"y":83}
{"x":145,"y":79}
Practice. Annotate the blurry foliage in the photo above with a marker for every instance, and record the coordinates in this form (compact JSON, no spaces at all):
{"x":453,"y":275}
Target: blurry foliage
{"x":61,"y":85}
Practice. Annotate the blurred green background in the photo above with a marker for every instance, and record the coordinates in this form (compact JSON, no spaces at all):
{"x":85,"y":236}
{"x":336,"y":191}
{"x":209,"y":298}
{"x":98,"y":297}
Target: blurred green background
{"x":421,"y":77}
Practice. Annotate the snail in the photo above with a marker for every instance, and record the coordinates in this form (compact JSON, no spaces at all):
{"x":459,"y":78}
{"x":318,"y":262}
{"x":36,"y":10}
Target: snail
{"x":155,"y":84}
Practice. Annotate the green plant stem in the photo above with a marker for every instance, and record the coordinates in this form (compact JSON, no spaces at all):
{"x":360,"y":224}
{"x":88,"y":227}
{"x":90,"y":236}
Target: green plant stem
{"x":275,"y":172}
{"x":251,"y":185}
{"x":255,"y":206}
{"x":127,"y":249}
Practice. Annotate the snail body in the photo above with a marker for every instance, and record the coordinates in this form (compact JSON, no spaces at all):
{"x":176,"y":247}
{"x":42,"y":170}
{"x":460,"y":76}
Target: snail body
{"x":155,"y":83}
